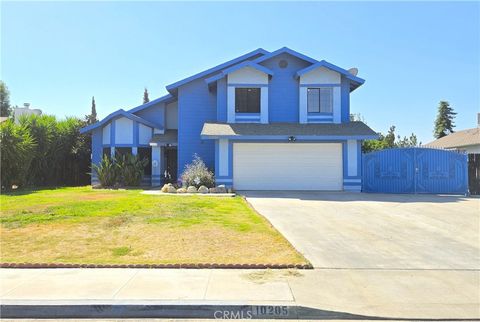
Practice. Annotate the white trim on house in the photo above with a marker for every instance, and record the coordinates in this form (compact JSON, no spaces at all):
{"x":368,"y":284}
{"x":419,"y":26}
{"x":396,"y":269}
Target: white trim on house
{"x":247,"y":77}
{"x":321,"y":75}
{"x":320,"y":78}
{"x":223,"y":157}
{"x":106,"y":134}
{"x":352,"y":154}
{"x":123,"y":131}
{"x":144,"y":134}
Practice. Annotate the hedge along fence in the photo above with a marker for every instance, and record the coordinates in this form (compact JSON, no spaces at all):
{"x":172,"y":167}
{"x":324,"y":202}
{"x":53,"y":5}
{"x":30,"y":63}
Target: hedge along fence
{"x":44,"y":151}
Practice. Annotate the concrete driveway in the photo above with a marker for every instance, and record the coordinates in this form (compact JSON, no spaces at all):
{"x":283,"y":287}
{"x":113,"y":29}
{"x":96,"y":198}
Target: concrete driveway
{"x":375,"y":231}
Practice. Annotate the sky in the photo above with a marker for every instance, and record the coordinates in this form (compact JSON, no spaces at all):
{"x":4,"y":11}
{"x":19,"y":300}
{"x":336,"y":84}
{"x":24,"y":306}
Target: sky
{"x":57,"y":55}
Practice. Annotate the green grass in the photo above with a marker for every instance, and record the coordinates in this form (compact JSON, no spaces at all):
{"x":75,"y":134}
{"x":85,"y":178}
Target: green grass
{"x":84,"y":225}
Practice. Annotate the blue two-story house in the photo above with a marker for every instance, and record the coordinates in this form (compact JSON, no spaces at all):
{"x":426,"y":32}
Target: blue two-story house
{"x":263,"y":121}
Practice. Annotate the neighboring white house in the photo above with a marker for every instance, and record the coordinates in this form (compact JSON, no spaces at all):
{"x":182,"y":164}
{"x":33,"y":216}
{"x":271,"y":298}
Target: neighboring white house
{"x":25,"y":110}
{"x":465,"y":140}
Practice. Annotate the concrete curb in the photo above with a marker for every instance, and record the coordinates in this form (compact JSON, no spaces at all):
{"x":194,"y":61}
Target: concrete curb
{"x":191,"y":266}
{"x":195,"y":311}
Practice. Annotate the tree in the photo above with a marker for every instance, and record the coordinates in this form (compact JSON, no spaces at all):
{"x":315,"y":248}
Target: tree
{"x":412,"y":141}
{"x":145,"y":96}
{"x":92,"y":118}
{"x":390,"y":141}
{"x":390,"y":137}
{"x":5,"y":108}
{"x":444,"y":123}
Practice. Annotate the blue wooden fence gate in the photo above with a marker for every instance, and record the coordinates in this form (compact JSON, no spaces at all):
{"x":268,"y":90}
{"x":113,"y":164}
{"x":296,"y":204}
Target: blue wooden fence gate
{"x":415,"y":170}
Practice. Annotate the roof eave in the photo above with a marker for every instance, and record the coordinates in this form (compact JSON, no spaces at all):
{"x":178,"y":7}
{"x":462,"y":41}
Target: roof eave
{"x":288,"y":51}
{"x":172,"y":87}
{"x":286,"y":136}
{"x":164,"y":99}
{"x":359,"y":81}
{"x":119,"y":113}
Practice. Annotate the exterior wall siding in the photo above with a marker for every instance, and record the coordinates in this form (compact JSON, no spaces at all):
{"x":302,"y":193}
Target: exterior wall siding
{"x":155,"y":113}
{"x":196,"y":105}
{"x":171,"y":116}
{"x":222,"y":100}
{"x":345,"y":100}
{"x":97,"y":148}
{"x":283,"y":89}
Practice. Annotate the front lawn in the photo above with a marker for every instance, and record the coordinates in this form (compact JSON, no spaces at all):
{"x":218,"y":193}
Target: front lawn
{"x":82,"y":225}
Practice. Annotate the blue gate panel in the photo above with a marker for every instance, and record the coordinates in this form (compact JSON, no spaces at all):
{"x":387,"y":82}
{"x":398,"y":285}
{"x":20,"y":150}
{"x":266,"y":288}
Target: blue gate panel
{"x":415,"y":170}
{"x":441,"y":171}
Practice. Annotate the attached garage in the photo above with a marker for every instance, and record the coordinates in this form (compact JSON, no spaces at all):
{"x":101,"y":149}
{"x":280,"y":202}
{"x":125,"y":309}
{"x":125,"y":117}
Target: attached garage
{"x":287,"y":166}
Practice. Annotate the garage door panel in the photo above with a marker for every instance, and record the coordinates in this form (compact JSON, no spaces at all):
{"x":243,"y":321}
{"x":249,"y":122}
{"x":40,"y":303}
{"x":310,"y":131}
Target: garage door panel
{"x":287,"y":166}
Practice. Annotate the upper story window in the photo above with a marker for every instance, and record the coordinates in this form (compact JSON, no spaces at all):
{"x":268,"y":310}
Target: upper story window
{"x":320,"y":100}
{"x":247,"y":100}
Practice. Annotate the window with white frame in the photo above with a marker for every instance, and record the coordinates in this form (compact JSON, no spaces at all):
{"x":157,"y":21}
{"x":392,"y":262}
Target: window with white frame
{"x":320,"y":100}
{"x":247,"y":100}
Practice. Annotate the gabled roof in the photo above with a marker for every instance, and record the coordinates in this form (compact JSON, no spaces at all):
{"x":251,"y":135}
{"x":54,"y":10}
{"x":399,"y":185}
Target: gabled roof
{"x":325,"y":130}
{"x":256,"y":52}
{"x":116,"y":114}
{"x":457,"y":139}
{"x":286,"y":50}
{"x":164,"y":99}
{"x":333,"y":67}
{"x":236,"y":67}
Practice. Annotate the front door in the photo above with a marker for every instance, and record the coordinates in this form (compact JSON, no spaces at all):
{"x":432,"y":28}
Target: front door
{"x":170,"y":164}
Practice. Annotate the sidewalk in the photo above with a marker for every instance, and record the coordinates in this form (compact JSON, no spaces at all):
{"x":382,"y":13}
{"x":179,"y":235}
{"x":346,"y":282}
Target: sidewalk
{"x":423,"y":294}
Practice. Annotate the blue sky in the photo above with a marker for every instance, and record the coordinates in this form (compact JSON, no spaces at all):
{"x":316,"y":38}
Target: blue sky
{"x":56,"y":55}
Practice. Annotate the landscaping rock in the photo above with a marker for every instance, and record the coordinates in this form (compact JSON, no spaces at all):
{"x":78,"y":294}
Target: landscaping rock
{"x":212,"y":190}
{"x":165,"y":187}
{"x":231,"y":190}
{"x":192,"y":189}
{"x":181,"y":190}
{"x":171,"y":189}
{"x":203,"y":189}
{"x":221,"y":189}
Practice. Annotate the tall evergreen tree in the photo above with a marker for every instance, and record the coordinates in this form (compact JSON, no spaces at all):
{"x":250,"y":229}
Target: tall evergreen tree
{"x":145,"y":96}
{"x":444,"y":123}
{"x":390,"y":137}
{"x":92,"y":118}
{"x":5,"y":108}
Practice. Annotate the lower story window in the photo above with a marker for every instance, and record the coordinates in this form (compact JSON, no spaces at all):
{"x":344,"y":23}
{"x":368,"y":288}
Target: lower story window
{"x":146,"y":153}
{"x":123,"y":151}
{"x":320,"y":100}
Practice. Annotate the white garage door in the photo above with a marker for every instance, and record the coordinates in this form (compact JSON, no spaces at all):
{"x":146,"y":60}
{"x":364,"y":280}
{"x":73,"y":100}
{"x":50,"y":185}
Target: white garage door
{"x":287,"y":166}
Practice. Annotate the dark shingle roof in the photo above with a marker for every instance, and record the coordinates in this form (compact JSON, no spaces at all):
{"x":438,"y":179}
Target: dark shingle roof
{"x":281,"y":129}
{"x":457,"y":139}
{"x":170,"y":137}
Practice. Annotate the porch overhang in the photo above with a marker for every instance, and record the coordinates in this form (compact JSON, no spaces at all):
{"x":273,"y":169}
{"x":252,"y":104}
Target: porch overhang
{"x":169,"y":138}
{"x":288,"y":131}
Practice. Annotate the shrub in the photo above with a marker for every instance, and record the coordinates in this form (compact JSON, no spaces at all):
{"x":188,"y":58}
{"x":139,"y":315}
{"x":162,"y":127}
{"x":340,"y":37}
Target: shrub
{"x":197,"y":174}
{"x":106,"y":171}
{"x":61,"y":155}
{"x":16,"y":149}
{"x":130,"y":169}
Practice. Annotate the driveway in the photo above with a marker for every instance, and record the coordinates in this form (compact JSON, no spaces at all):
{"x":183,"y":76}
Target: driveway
{"x":375,"y":231}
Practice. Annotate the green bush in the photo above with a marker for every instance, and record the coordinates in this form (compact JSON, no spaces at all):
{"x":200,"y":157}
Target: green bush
{"x":61,"y":155}
{"x":16,"y":148}
{"x":197,"y":174}
{"x":106,"y":172}
{"x":130,"y":169}
{"x":123,"y":170}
